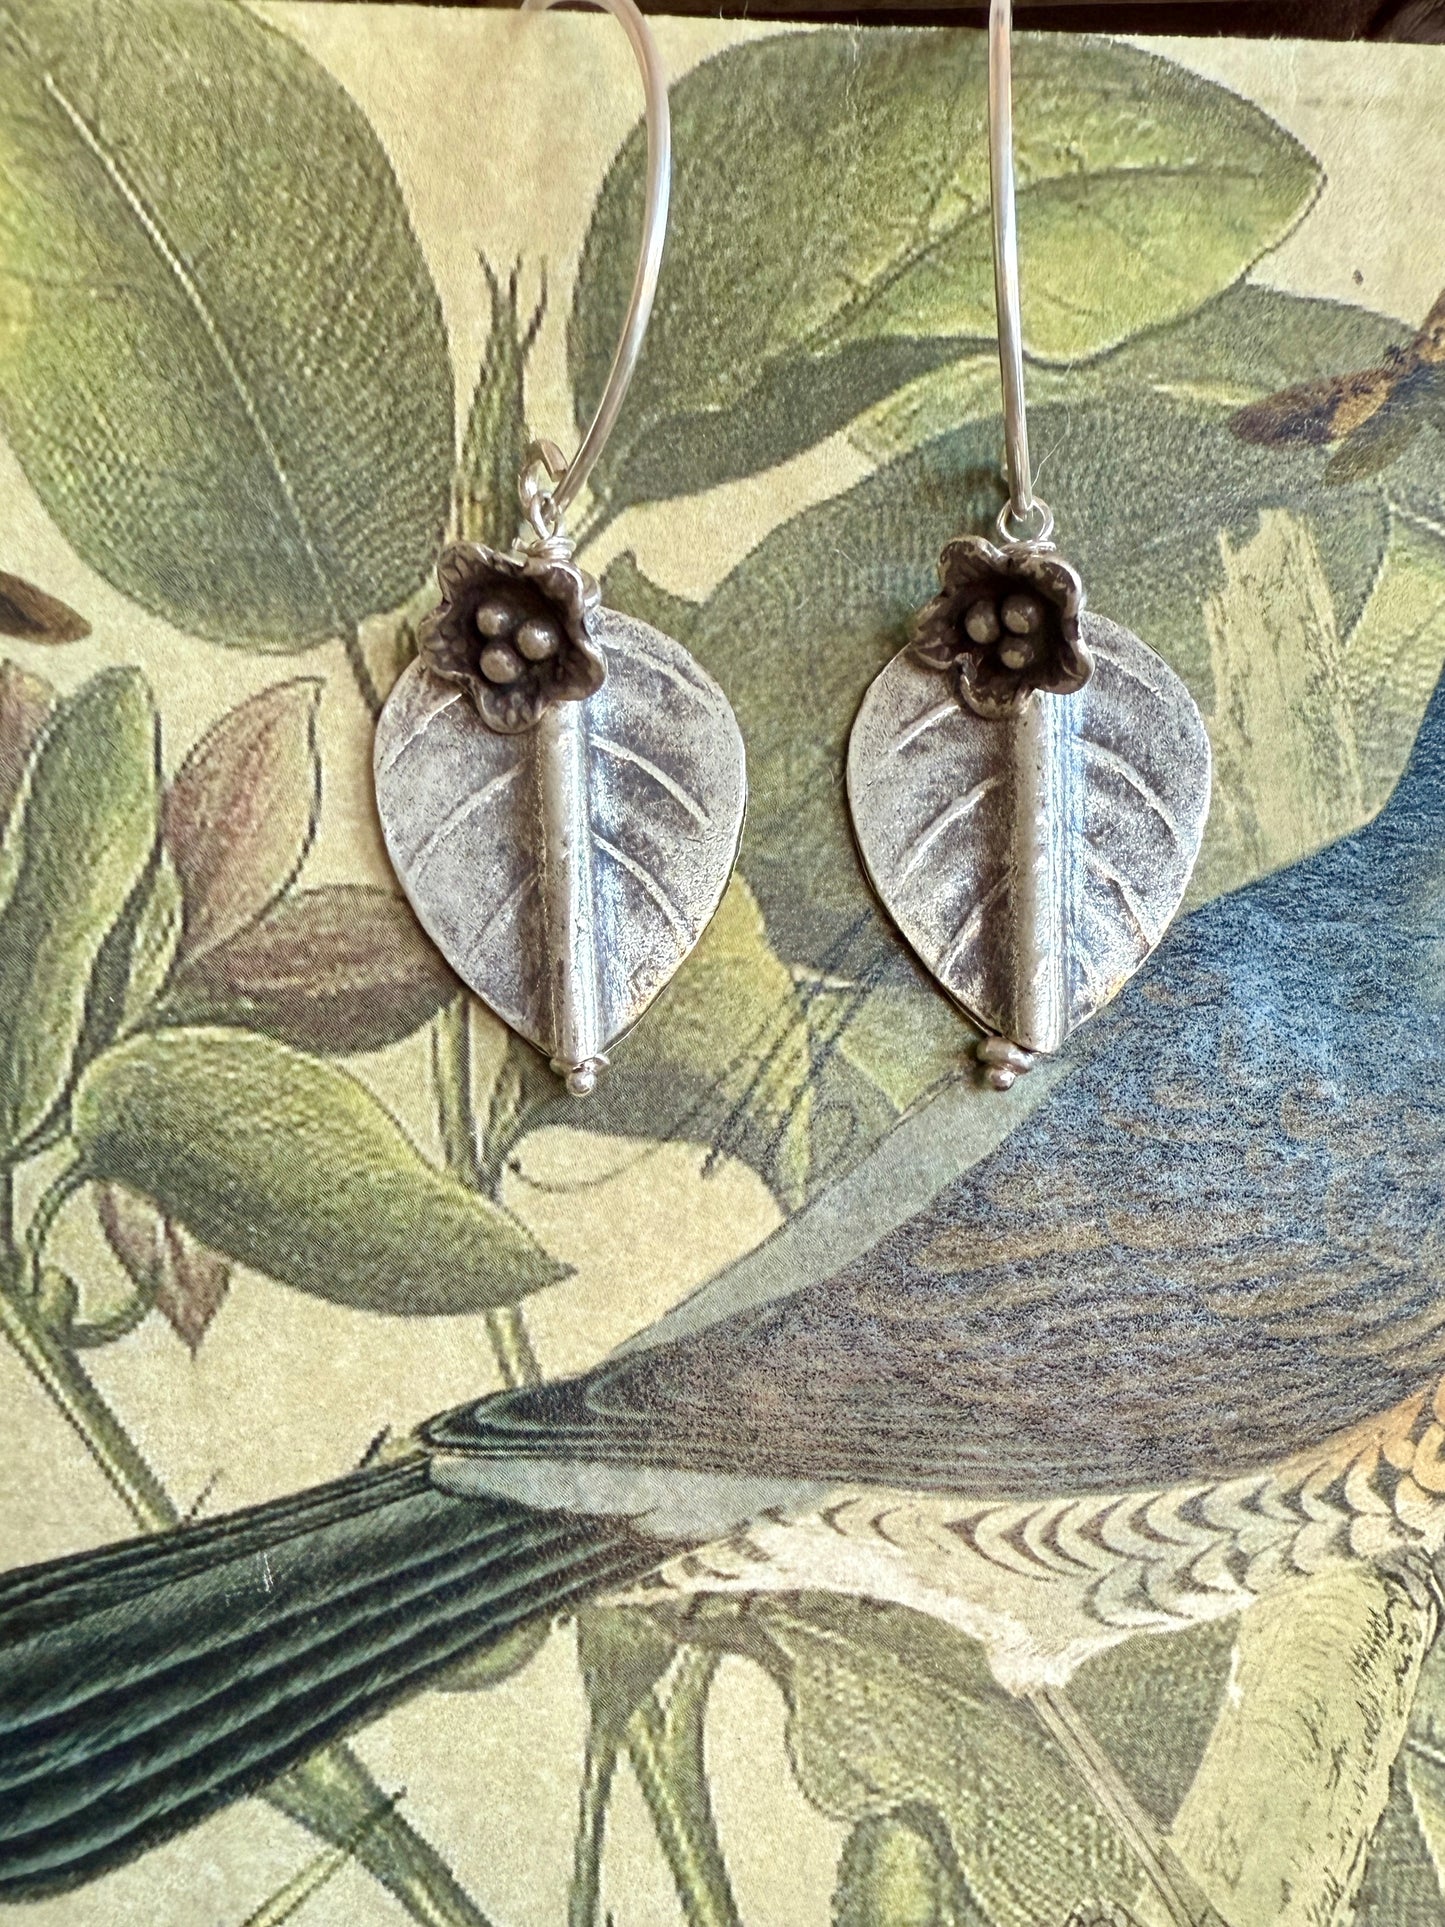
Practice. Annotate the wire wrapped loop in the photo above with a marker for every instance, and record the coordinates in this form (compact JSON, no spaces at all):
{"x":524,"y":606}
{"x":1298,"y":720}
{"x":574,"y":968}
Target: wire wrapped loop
{"x":1032,"y":530}
{"x":543,"y":465}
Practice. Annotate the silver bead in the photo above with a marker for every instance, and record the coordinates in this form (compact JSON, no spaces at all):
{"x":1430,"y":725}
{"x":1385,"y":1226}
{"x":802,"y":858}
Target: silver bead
{"x":1018,"y":652}
{"x":1023,"y":615}
{"x":493,"y":618}
{"x":1003,"y":1062}
{"x":501,"y":663}
{"x":537,"y":639}
{"x":581,"y":1079}
{"x":980,"y":622}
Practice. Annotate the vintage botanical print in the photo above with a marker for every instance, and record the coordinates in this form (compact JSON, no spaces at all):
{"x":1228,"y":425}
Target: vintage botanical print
{"x":799,"y":1484}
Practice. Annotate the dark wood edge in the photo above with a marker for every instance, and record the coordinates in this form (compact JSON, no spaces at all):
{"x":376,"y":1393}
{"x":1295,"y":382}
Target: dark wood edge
{"x":1421,"y":21}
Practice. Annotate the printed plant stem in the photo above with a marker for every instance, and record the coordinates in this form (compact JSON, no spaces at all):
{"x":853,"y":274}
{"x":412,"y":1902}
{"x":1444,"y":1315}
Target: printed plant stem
{"x":288,"y":1900}
{"x":361,"y":672}
{"x":88,"y":1336}
{"x":292,"y":1896}
{"x":56,"y":1196}
{"x":665,"y":1750}
{"x":102,"y":1331}
{"x":334,"y":1797}
{"x":457,"y":1119}
{"x":451,"y":1059}
{"x":585,"y":1898}
{"x":512,"y":1343}
{"x":414,"y":1871}
{"x":70,"y":1387}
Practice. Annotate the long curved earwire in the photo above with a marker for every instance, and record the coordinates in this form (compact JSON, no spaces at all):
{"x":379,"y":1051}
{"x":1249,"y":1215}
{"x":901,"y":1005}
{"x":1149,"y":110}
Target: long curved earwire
{"x":1024,"y":516}
{"x":567,"y":477}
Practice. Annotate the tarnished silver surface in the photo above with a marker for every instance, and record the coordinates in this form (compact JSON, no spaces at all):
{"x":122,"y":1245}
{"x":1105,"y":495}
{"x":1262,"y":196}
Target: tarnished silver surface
{"x":1033,"y":862}
{"x":566,"y":871}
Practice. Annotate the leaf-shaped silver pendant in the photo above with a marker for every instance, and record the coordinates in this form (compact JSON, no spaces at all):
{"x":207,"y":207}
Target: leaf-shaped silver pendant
{"x":566,"y":870}
{"x":1033,"y":860}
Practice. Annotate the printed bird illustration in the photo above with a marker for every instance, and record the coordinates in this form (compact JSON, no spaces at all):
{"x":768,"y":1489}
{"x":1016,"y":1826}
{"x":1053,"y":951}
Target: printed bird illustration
{"x":1373,"y":414}
{"x":1178,"y":1339}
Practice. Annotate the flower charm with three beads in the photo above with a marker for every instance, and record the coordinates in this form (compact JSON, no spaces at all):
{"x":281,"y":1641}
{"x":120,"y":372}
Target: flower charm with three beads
{"x":1005,"y":623}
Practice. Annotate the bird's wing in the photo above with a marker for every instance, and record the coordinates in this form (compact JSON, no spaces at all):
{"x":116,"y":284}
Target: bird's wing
{"x":1216,"y":1244}
{"x":146,"y":1684}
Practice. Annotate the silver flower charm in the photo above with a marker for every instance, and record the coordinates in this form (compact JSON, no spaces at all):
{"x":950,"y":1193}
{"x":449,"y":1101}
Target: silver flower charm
{"x":1005,"y":622}
{"x":516,"y":631}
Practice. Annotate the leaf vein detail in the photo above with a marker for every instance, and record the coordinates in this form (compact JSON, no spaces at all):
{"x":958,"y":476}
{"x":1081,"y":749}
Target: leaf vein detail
{"x":421,"y":729}
{"x":969,"y":928}
{"x":953,"y":812}
{"x":623,"y":754}
{"x":463,"y":811}
{"x":649,"y":883}
{"x":1111,"y":760}
{"x":1128,"y":895}
{"x":922,"y":724}
{"x":154,"y":232}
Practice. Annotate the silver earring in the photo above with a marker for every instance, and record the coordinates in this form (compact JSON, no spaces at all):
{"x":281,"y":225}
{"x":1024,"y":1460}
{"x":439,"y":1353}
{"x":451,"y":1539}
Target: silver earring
{"x":561,"y":788}
{"x":1029,"y":783}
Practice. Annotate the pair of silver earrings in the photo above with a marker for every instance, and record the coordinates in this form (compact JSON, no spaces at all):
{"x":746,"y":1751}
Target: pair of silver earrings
{"x":562,"y":788}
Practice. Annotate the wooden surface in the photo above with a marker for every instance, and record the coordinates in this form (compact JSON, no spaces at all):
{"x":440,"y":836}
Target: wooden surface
{"x":1413,"y":20}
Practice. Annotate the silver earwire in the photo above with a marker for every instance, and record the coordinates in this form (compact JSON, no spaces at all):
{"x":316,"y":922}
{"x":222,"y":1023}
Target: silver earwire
{"x":654,"y":234}
{"x":1023,"y":508}
{"x":494,"y":751}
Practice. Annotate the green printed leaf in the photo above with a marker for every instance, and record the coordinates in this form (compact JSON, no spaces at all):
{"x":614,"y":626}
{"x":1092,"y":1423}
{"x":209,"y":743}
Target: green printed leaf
{"x":860,"y":232}
{"x":292,"y":1167}
{"x":876,"y":1053}
{"x":889,"y":1710}
{"x":622,"y":1655}
{"x":896,"y":1725}
{"x":624,"y":586}
{"x":903,"y":1041}
{"x":1251,"y":341}
{"x":132,"y":963}
{"x":899,"y":1870}
{"x":1311,"y":729}
{"x":25,"y":702}
{"x":155,"y":941}
{"x":222,"y":359}
{"x":78,"y":849}
{"x":1403,"y":1878}
{"x":1405,"y":1875}
{"x":1245,"y":343}
{"x":340,"y":969}
{"x":1394,"y":654}
{"x":1287,"y":769}
{"x":493,"y":1665}
{"x":1296,"y":1774}
{"x":625,"y":1658}
{"x":241,"y":813}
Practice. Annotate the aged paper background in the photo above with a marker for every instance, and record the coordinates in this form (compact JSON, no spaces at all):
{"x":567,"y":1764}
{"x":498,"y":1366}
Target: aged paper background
{"x":499,"y":130}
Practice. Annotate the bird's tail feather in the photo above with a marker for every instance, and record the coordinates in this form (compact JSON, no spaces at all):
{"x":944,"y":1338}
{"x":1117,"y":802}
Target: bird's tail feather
{"x":144,"y":1685}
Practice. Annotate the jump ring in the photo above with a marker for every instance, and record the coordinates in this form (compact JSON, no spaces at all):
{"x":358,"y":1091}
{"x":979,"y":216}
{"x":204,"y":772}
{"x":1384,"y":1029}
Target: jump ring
{"x":1018,"y":530}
